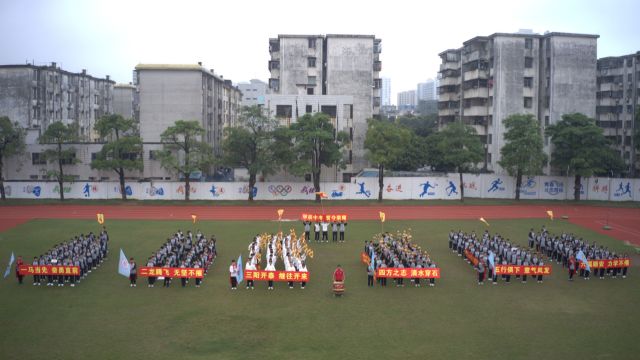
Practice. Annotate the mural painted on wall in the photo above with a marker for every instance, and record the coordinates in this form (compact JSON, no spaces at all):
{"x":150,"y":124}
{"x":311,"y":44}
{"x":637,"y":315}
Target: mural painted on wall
{"x":529,"y":186}
{"x":279,"y":190}
{"x":553,"y":187}
{"x":363,"y":191}
{"x":425,"y":189}
{"x":338,"y":192}
{"x":623,"y":190}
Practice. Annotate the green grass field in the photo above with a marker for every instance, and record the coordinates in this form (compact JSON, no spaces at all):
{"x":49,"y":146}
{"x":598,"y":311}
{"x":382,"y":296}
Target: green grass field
{"x":105,"y":319}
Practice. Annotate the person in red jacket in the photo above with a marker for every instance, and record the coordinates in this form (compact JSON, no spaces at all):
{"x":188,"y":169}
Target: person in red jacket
{"x":19,"y":263}
{"x":572,"y":267}
{"x":338,"y":275}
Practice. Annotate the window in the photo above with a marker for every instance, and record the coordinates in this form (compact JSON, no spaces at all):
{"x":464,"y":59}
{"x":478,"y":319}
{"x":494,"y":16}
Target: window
{"x":33,"y":177}
{"x":311,"y":80}
{"x":153,"y":154}
{"x":528,"y":62}
{"x":307,"y":177}
{"x":69,"y":160}
{"x":311,"y":62}
{"x":528,"y":82}
{"x":528,"y":102}
{"x":273,"y":84}
{"x":283,"y":111}
{"x":129,"y":156}
{"x":310,"y":91}
{"x":308,"y":109}
{"x":329,"y":110}
{"x":94,"y":156}
{"x":38,"y":159}
{"x":528,"y":43}
{"x":312,"y":43}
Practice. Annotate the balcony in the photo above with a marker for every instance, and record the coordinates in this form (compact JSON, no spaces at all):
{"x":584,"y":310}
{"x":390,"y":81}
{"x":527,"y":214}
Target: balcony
{"x":377,"y":66}
{"x":447,"y":89}
{"x":449,"y":65}
{"x":474,"y":55}
{"x":449,"y":73}
{"x":448,"y":97}
{"x":476,"y":93}
{"x":476,"y":111}
{"x":448,"y":112}
{"x":449,"y":81}
{"x":476,"y":74}
{"x":274,"y":65}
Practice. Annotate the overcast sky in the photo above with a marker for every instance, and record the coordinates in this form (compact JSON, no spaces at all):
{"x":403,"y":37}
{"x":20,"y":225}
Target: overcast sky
{"x":111,"y":37}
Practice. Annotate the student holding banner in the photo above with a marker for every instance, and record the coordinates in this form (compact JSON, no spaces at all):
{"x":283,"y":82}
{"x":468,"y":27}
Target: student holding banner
{"x":151,"y":279}
{"x":249,"y":267}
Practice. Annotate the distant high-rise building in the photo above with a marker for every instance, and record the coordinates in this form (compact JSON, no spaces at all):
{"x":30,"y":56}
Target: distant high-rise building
{"x":253,"y":92}
{"x":407,"y":100}
{"x":386,"y":92}
{"x":492,"y":77}
{"x":427,"y":90}
{"x":311,"y":67}
{"x":617,"y":100}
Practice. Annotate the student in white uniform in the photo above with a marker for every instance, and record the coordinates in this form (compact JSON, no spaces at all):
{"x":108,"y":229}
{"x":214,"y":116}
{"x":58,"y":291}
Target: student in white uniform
{"x":270,"y":267}
{"x":249,"y":267}
{"x":233,"y":274}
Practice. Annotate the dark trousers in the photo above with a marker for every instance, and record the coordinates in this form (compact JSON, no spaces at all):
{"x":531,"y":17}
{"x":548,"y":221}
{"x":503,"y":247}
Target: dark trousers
{"x":20,"y":277}
{"x":601,"y":272}
{"x":341,"y":235}
{"x":36,"y":279}
{"x":133,"y":278}
{"x":307,"y":235}
{"x":199,"y":280}
{"x":325,"y":236}
{"x":270,"y":283}
{"x":524,"y":278}
{"x":540,"y":278}
{"x":383,"y":281}
{"x":183,"y":281}
{"x":432,"y":281}
{"x":571,"y":272}
{"x":369,"y":280}
{"x":334,"y":236}
{"x":416,"y":281}
{"x":167,"y":282}
{"x":303,"y":284}
{"x":234,"y":282}
{"x":480,"y":277}
{"x":624,"y":271}
{"x":151,"y":280}
{"x":249,"y":283}
{"x":316,"y":236}
{"x":291,"y":284}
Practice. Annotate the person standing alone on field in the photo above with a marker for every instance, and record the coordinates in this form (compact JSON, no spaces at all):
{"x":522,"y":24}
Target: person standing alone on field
{"x":133,"y":273}
{"x":233,"y":274}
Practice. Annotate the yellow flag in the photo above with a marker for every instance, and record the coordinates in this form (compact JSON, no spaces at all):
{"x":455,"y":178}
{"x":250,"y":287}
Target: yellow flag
{"x":322,"y":194}
{"x":550,"y":213}
{"x":100,"y":218}
{"x":484,"y":221}
{"x":194,"y":217}
{"x":382,"y":216}
{"x":280,"y":212}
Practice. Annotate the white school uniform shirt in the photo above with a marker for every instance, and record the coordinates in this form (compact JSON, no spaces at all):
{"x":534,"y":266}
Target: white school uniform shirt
{"x":250,"y":266}
{"x":325,"y":226}
{"x":316,"y":227}
{"x":303,"y":268}
{"x":270,"y":267}
{"x":233,"y":270}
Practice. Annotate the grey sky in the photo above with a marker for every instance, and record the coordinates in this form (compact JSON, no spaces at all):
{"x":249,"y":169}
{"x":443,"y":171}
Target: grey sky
{"x":111,"y":37}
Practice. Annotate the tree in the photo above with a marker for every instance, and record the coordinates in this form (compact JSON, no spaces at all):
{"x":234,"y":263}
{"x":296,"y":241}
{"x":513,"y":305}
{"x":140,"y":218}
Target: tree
{"x":59,"y":134}
{"x":459,"y":147}
{"x":385,"y":142}
{"x":579,"y":148}
{"x":123,"y":150}
{"x":11,"y":143}
{"x":523,"y":152}
{"x":184,"y":152}
{"x":423,"y":125}
{"x":253,"y":145}
{"x":316,"y":143}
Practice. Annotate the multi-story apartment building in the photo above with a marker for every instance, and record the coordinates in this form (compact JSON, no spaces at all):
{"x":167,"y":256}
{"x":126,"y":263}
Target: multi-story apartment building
{"x":618,"y":97}
{"x":253,"y":92}
{"x":331,"y":65}
{"x":407,"y":100}
{"x":492,"y":77}
{"x":126,"y":101}
{"x":37,"y":96}
{"x":170,"y":92}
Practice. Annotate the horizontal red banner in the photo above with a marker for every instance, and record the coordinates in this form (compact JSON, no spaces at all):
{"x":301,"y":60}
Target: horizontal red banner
{"x":190,"y":273}
{"x":263,"y":275}
{"x":470,"y":257}
{"x":523,"y":270}
{"x":607,"y":264}
{"x":408,"y":273}
{"x":49,"y":270}
{"x":318,"y":217}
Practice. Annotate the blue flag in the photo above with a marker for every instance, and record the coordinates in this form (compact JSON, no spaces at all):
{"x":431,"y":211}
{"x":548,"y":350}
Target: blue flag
{"x":492,"y":257}
{"x":123,"y":265}
{"x":8,"y":271}
{"x":583,"y":259}
{"x":240,"y":275}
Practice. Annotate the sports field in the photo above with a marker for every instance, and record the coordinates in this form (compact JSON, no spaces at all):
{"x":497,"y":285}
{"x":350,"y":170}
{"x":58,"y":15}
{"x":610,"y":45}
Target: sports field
{"x":104,"y":318}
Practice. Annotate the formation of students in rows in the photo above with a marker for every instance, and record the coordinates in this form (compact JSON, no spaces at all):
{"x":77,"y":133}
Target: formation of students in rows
{"x":396,"y":252}
{"x":491,"y":251}
{"x":291,"y":250}
{"x":84,"y":251}
{"x":322,"y":227}
{"x":569,"y":250}
{"x":180,"y":251}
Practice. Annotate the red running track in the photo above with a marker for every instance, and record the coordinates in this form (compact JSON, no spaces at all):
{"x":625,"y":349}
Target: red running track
{"x":625,"y":222}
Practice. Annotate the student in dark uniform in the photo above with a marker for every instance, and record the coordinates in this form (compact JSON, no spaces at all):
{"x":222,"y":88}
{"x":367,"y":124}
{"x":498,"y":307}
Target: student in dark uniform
{"x":133,"y":272}
{"x":334,"y":232}
{"x":342,"y":228}
{"x":151,"y":279}
{"x":307,"y":230}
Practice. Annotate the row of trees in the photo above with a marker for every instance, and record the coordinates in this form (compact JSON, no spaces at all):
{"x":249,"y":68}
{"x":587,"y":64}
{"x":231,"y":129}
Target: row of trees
{"x":579,"y":148}
{"x":263,"y":147}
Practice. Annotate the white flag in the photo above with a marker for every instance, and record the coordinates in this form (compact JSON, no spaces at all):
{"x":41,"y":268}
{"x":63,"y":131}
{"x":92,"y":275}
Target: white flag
{"x":123,"y":265}
{"x":8,"y":271}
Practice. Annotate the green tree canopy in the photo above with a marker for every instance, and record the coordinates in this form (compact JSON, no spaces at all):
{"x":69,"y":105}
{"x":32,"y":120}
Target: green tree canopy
{"x":457,"y":147}
{"x":123,"y":150}
{"x":316,"y":143}
{"x":254,"y":144}
{"x":11,"y":143}
{"x":59,"y":134}
{"x":523,"y":152}
{"x":184,"y":152}
{"x":580,"y":148}
{"x":386,"y":143}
